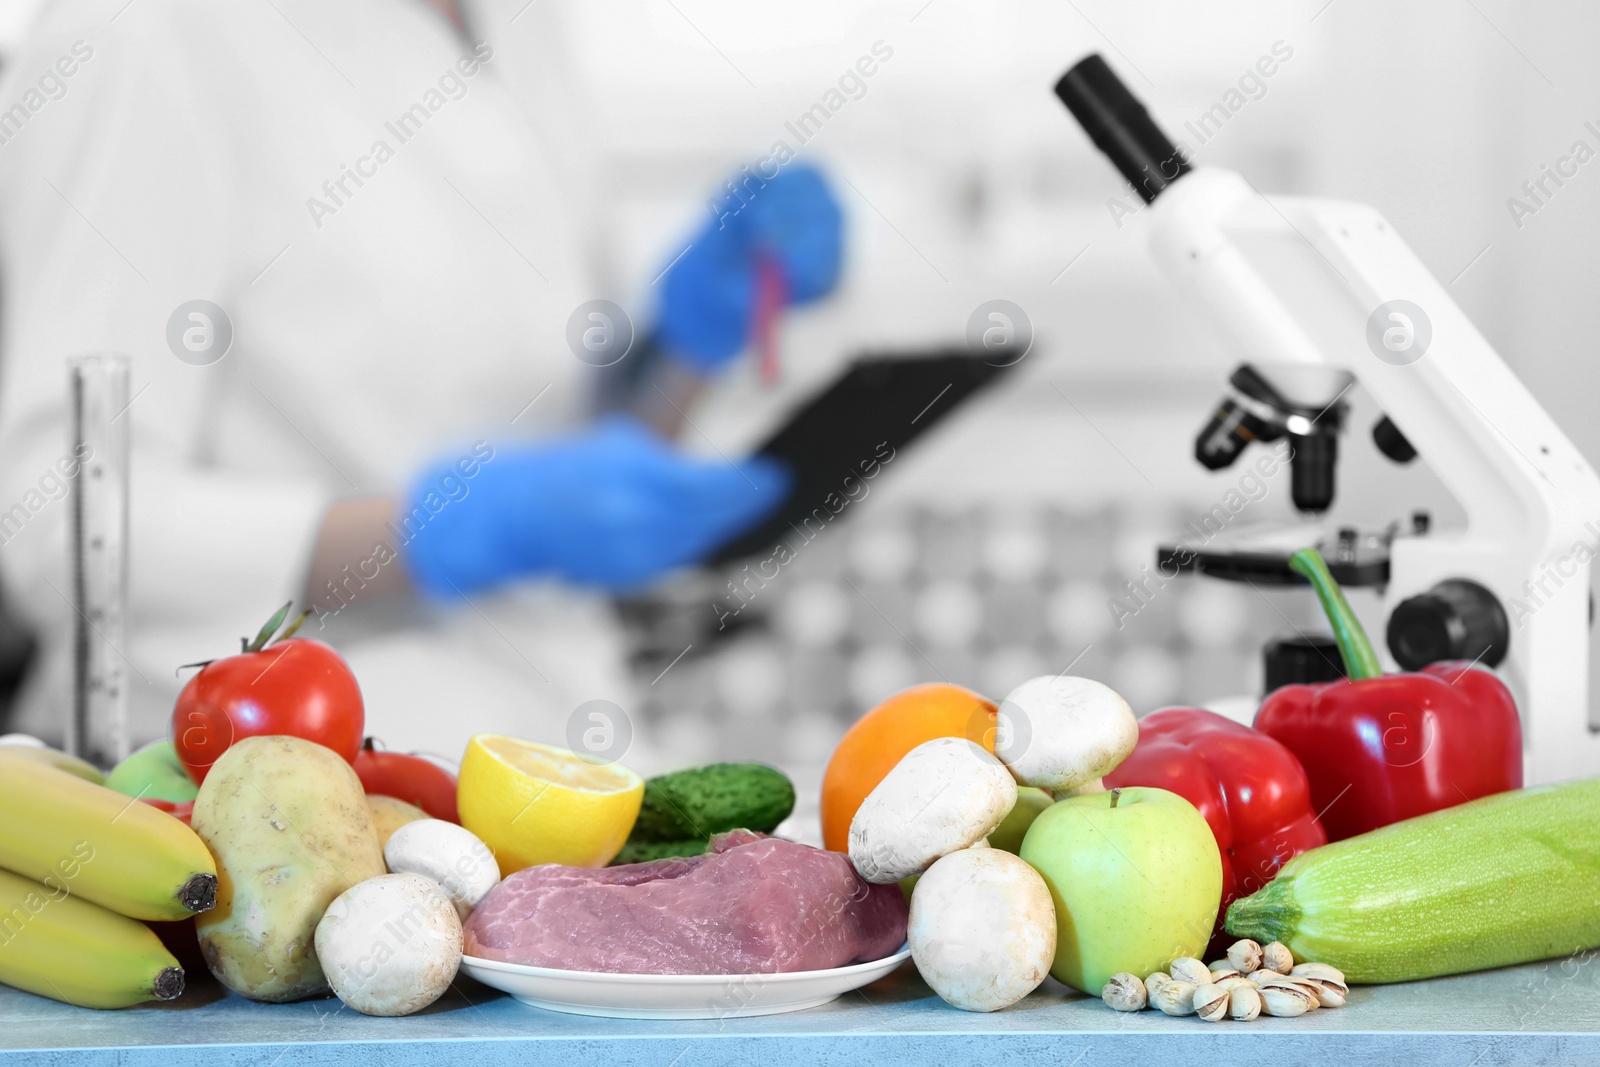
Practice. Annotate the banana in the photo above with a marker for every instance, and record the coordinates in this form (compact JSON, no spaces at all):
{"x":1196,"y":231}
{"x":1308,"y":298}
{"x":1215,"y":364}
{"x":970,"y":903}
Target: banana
{"x":92,"y":842}
{"x":55,"y":945}
{"x":52,"y":758}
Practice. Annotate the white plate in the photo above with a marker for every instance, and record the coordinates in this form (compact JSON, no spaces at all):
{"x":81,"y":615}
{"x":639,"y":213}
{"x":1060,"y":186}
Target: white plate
{"x":676,"y":996}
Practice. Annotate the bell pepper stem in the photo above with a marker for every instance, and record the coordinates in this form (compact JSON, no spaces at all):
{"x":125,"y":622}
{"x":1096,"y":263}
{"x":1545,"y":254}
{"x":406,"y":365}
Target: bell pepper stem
{"x":1360,"y":661}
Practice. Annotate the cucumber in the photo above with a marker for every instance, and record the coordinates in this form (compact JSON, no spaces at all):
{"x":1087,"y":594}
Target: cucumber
{"x":1506,"y":879}
{"x":711,"y":800}
{"x":645,"y":851}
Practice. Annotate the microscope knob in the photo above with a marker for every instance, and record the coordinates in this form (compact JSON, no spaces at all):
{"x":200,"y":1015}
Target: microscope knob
{"x":1391,"y":442}
{"x":1456,"y":619}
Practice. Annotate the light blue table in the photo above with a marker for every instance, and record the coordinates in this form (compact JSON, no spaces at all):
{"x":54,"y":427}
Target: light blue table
{"x":1539,"y":1014}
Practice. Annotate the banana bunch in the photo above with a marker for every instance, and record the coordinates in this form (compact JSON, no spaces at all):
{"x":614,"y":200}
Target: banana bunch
{"x":28,"y":748}
{"x":81,"y":864}
{"x":55,"y":945}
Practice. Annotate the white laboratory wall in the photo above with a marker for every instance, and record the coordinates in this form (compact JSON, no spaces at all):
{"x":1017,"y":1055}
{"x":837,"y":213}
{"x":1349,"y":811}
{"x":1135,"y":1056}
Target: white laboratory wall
{"x":15,"y":18}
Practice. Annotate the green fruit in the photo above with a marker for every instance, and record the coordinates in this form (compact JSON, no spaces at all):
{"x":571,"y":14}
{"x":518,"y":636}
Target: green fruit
{"x":153,"y":773}
{"x":1030,"y":804}
{"x":1135,"y":876}
{"x":645,"y":851}
{"x":712,"y":800}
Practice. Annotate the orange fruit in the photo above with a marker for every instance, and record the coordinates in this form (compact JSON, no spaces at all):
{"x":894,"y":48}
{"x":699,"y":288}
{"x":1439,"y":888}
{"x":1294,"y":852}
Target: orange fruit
{"x":881,"y":737}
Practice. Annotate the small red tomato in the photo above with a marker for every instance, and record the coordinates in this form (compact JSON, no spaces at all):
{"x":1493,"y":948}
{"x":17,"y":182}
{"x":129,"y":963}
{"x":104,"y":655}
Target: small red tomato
{"x":182,"y":812}
{"x":292,"y":686}
{"x":413,"y":779}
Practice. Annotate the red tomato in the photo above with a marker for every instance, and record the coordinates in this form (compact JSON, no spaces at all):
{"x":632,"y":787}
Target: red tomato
{"x":298,"y":687}
{"x":412,"y":779}
{"x":182,"y":812}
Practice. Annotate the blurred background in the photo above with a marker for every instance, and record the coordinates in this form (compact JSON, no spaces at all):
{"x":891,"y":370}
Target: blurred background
{"x":988,"y":553}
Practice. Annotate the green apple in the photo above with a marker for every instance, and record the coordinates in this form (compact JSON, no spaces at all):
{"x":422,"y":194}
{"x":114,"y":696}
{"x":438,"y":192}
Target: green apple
{"x":1009,"y":834}
{"x":154,"y":772}
{"x":1135,"y":875}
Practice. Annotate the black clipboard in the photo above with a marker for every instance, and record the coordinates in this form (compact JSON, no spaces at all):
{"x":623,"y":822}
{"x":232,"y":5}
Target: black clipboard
{"x":854,"y":429}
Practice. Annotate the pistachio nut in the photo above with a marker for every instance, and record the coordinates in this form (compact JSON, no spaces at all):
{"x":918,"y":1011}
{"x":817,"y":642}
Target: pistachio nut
{"x":1244,"y":1003}
{"x":1277,"y":957}
{"x":1320,"y":972}
{"x":1125,"y":992}
{"x":1327,"y":982}
{"x":1286,"y":1001}
{"x":1211,"y":1003}
{"x":1175,"y":998}
{"x":1245,"y":955}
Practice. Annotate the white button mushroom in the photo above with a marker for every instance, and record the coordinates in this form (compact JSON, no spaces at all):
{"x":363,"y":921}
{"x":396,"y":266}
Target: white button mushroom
{"x":942,"y":796}
{"x":982,"y":929}
{"x":448,"y":855}
{"x":390,"y":945}
{"x":1064,"y":733}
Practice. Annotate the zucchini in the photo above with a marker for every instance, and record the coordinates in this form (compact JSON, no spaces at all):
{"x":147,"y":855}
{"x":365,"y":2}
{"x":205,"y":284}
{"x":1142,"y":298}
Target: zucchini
{"x":711,"y":800}
{"x":1506,"y":879}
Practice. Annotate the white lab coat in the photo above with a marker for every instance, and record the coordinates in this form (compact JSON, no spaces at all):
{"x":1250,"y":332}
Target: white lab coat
{"x":424,"y":312}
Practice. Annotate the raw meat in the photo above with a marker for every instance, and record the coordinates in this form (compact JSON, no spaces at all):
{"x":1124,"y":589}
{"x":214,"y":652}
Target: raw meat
{"x":750,"y":905}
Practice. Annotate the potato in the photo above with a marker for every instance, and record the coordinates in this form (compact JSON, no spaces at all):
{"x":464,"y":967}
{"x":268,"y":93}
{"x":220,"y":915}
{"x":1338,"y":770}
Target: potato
{"x":289,"y":826}
{"x":389,"y":814}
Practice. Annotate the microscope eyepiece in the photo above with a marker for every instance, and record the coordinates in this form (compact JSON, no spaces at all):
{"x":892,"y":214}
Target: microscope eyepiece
{"x":1120,"y":127}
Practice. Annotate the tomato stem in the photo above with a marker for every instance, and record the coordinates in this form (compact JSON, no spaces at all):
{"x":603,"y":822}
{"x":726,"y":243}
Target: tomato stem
{"x":293,"y":626}
{"x":269,"y":629}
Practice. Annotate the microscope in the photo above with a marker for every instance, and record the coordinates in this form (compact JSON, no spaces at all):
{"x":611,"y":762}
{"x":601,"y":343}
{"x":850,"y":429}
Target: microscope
{"x":1320,"y":297}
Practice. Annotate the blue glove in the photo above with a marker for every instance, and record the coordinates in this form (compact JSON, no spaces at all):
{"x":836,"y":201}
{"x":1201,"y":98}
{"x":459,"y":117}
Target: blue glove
{"x":708,"y":297}
{"x":612,"y":507}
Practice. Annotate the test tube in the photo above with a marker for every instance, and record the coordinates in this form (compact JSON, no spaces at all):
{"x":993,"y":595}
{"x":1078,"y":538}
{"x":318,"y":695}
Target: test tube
{"x":98,"y":557}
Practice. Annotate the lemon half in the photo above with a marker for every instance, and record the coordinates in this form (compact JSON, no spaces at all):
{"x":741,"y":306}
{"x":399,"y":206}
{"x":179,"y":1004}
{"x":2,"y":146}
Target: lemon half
{"x":533,"y":803}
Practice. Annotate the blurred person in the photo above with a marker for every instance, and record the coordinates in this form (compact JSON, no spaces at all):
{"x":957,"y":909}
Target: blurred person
{"x":391,"y":211}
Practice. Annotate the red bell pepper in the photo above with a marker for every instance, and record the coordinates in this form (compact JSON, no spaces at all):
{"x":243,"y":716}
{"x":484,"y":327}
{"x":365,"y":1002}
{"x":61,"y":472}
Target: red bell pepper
{"x":1248,"y":787}
{"x":1381,"y":748}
